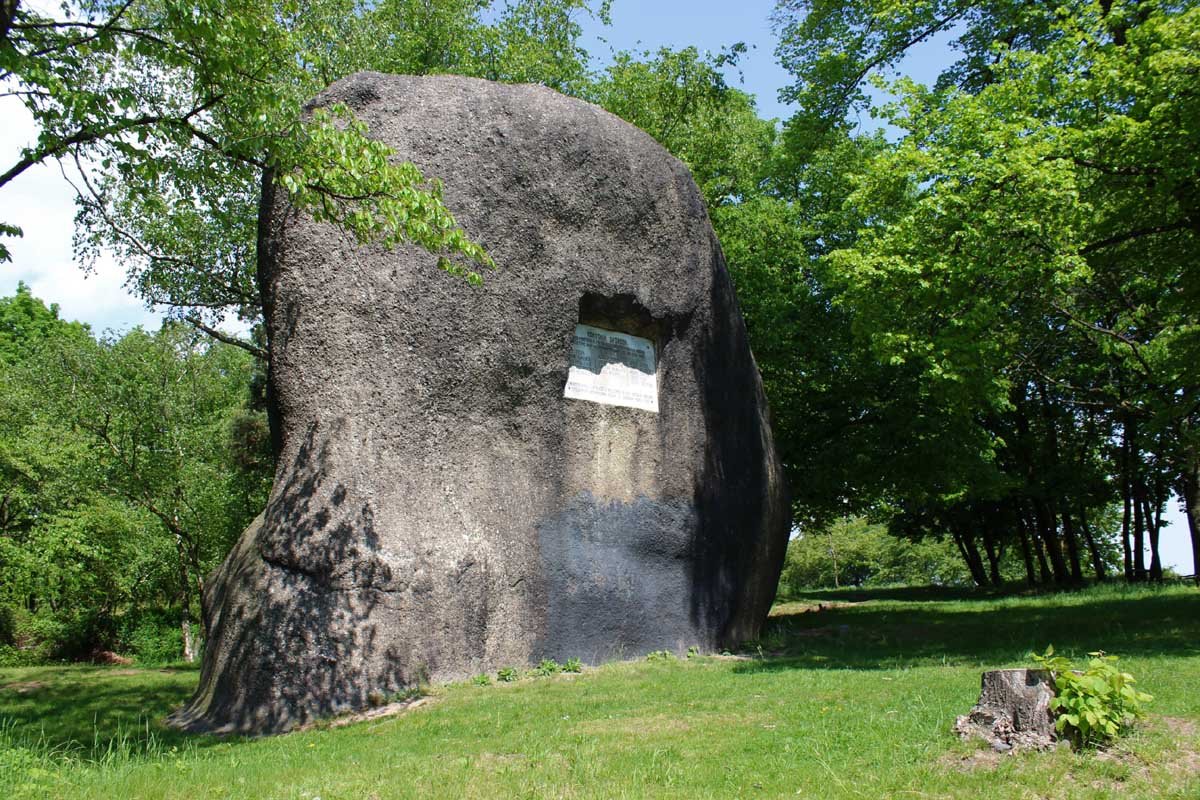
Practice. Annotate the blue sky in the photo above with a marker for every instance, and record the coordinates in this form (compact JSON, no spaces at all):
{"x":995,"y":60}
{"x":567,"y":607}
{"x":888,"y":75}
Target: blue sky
{"x":40,"y":201}
{"x":707,"y":25}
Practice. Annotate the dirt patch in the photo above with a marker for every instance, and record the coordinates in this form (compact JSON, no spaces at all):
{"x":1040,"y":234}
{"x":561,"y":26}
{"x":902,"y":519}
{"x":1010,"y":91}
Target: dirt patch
{"x":1187,"y":755}
{"x":977,"y":759}
{"x":791,"y":609}
{"x":1178,"y":726}
{"x":110,"y":658}
{"x":23,"y":687}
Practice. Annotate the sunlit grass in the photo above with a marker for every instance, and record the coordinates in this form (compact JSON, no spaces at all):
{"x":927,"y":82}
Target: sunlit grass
{"x":850,"y":701}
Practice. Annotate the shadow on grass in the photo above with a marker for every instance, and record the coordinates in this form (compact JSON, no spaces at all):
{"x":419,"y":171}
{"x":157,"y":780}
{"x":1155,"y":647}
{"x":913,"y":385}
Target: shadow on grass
{"x":895,"y":628}
{"x":89,"y":712}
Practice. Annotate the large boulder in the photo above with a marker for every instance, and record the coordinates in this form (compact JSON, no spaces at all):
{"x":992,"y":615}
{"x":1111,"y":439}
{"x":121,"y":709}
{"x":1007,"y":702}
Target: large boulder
{"x":440,"y":507}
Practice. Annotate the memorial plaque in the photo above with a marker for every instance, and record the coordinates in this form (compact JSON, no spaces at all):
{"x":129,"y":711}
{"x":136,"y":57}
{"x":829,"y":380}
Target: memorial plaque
{"x":612,"y":368}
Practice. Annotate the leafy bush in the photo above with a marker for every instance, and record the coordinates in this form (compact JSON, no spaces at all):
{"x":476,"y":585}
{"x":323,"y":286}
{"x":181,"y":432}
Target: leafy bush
{"x":573,"y":665}
{"x":1095,"y":704}
{"x":547,"y":668}
{"x":64,"y":635}
{"x":506,"y":674}
{"x":153,"y":637}
{"x":482,"y":679}
{"x":855,"y":552}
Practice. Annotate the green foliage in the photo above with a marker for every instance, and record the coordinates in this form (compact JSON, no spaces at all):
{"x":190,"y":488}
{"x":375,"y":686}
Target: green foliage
{"x":125,"y":480}
{"x":680,"y":97}
{"x":660,"y":655}
{"x":482,"y":679}
{"x":507,"y":674}
{"x":152,"y":636}
{"x":854,"y":552}
{"x":573,"y":664}
{"x":1092,"y":705}
{"x":175,"y":112}
{"x":547,"y":667}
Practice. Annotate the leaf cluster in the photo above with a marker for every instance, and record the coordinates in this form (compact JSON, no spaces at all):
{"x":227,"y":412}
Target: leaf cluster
{"x":1095,"y":704}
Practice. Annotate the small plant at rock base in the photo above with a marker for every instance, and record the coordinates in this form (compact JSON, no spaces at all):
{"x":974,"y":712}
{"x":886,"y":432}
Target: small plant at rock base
{"x":573,"y":665}
{"x":482,"y":679}
{"x":693,"y":652}
{"x":660,"y":655}
{"x":547,"y":668}
{"x":1095,"y":704}
{"x":506,"y":674}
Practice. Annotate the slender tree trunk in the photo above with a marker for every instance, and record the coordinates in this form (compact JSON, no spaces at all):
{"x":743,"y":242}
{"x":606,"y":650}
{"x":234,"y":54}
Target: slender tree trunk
{"x":1191,"y":510}
{"x":1126,"y":519}
{"x":1072,"y":546}
{"x":1153,"y":523}
{"x":1097,"y":558}
{"x":993,"y":556}
{"x":185,"y":602}
{"x":833,"y":558}
{"x":970,"y":554}
{"x":1040,"y":550}
{"x":1127,"y":499}
{"x":1047,"y":530}
{"x":1139,"y":541}
{"x":1026,"y":554}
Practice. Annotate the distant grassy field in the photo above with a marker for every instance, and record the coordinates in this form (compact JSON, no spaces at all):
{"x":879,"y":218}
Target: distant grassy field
{"x":849,"y":695}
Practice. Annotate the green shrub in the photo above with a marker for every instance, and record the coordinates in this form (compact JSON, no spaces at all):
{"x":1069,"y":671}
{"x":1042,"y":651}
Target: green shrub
{"x":482,"y":679}
{"x":152,"y":636}
{"x":1092,"y":705}
{"x":573,"y":665}
{"x":63,"y":635}
{"x":548,"y":667}
{"x":506,"y":674}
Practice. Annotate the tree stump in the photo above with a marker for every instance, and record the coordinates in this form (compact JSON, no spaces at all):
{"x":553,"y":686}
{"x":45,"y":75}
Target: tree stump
{"x":1013,"y":711}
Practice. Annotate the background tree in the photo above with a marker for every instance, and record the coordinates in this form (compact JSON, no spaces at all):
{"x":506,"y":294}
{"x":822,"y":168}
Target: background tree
{"x":126,"y":476}
{"x":1023,"y":256}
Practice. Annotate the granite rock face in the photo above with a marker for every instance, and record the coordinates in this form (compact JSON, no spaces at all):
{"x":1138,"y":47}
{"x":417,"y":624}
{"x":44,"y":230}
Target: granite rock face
{"x":440,"y":508}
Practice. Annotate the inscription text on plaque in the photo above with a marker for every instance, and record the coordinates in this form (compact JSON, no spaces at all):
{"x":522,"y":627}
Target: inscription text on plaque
{"x":612,"y":368}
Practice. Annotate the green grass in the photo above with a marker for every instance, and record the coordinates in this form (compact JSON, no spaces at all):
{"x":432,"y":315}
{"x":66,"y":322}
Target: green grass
{"x":846,"y":701}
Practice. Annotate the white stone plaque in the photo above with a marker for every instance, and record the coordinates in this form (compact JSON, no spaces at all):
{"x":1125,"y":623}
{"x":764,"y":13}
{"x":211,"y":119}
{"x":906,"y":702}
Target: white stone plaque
{"x":612,"y":368}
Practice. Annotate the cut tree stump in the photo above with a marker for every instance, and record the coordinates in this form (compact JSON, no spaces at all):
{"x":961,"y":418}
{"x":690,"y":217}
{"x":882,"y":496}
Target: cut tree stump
{"x":1013,"y":711}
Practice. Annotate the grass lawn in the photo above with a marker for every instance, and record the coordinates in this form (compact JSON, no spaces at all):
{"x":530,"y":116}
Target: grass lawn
{"x":850,"y":694}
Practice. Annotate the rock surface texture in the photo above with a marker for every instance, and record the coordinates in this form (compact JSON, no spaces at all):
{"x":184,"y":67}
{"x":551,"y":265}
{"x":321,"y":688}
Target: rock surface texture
{"x":1013,"y":711}
{"x":440,"y":509}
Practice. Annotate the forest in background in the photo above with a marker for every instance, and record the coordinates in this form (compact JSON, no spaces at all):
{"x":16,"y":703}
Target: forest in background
{"x":979,"y":330}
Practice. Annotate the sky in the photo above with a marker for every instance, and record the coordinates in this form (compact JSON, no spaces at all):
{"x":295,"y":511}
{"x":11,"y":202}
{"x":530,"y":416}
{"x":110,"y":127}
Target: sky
{"x":40,"y":201}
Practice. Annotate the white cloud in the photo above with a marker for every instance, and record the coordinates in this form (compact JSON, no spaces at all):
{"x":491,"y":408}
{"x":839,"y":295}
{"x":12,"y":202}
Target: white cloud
{"x":41,"y":202}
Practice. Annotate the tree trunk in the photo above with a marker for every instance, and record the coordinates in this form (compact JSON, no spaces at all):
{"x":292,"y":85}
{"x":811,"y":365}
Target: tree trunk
{"x":1072,"y":546}
{"x":970,"y":554}
{"x":1191,"y":510}
{"x":1127,"y":497}
{"x":1047,"y":530}
{"x":1097,"y":558}
{"x":1026,"y":555}
{"x":1153,"y":528}
{"x":993,"y":556}
{"x":1040,"y":550}
{"x":185,"y":602}
{"x":1013,"y":710}
{"x":1139,"y":541}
